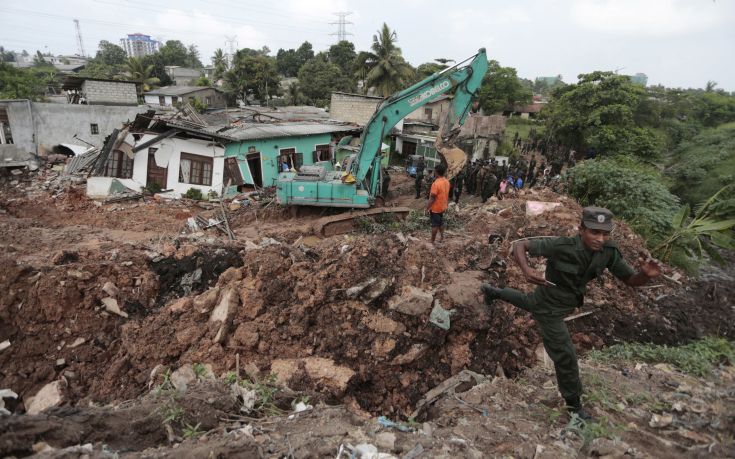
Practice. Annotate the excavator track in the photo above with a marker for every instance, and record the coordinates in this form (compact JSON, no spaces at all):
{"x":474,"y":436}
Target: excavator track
{"x":345,"y":222}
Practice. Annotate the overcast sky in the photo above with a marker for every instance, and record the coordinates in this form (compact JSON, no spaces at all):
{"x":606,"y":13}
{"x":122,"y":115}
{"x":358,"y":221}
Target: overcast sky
{"x":678,"y":43}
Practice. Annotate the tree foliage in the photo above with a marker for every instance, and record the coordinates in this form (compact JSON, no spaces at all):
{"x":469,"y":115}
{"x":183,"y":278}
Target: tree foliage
{"x":386,"y":70}
{"x":253,"y":74}
{"x":600,"y":111}
{"x":18,"y":83}
{"x":110,"y":54}
{"x":501,"y":89}
{"x":219,"y":61}
{"x":342,"y":54}
{"x":319,"y":77}
{"x":142,"y":74}
{"x":629,"y":189}
{"x":290,"y":61}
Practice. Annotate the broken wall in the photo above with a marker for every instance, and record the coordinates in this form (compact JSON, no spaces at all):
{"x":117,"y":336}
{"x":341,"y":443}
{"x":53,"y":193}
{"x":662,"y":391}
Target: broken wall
{"x":38,"y":127}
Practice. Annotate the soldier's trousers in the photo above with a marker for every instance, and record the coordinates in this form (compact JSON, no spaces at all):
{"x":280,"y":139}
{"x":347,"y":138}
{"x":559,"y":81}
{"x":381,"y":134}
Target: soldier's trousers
{"x":419,"y":179}
{"x":557,"y":341}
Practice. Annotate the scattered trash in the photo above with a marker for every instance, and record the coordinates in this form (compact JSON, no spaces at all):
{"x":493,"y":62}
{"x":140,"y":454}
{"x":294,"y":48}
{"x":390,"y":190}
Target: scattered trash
{"x":388,"y":424}
{"x":6,"y":393}
{"x":661,"y":420}
{"x":440,"y":317}
{"x":4,"y":345}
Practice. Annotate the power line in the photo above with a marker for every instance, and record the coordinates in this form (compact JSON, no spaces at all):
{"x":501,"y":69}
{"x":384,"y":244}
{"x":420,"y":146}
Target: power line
{"x":341,"y":32}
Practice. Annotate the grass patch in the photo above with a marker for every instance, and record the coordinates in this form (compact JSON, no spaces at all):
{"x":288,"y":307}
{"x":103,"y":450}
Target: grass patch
{"x":588,"y":431}
{"x":697,"y":358}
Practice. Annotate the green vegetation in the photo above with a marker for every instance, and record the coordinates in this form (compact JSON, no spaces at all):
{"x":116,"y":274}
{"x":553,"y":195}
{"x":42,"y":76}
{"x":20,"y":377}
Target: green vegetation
{"x":192,"y":432}
{"x":630,"y":189}
{"x":265,"y":392}
{"x":588,"y":431}
{"x":700,"y":166}
{"x":193,"y":193}
{"x":502,"y":89}
{"x":415,"y":221}
{"x":385,"y":69}
{"x":697,"y":358}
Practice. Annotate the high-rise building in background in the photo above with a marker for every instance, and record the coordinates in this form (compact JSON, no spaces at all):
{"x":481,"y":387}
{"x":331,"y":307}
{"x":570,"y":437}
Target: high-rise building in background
{"x":139,"y":45}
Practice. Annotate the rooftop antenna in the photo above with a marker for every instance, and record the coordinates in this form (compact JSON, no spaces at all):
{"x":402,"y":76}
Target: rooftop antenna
{"x":341,"y":32}
{"x":80,"y":44}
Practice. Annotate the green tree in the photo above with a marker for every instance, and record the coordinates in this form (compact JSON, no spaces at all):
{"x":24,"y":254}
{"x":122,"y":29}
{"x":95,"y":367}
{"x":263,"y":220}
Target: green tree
{"x":159,"y":68}
{"x":141,"y":74}
{"x":18,"y":83}
{"x":599,"y":111}
{"x":193,"y":57}
{"x":39,"y":60}
{"x":342,"y":54}
{"x":173,"y":52}
{"x":319,"y":77}
{"x":287,"y":62}
{"x":219,"y":61}
{"x":253,"y":74}
{"x":6,"y":56}
{"x":501,"y":89}
{"x":387,"y":71}
{"x":427,"y":69}
{"x":294,"y":95}
{"x":110,"y":54}
{"x":203,"y":81}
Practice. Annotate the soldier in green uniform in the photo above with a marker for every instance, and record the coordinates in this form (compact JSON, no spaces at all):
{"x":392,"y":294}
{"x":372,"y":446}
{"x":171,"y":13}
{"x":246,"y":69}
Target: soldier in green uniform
{"x":571,"y":263}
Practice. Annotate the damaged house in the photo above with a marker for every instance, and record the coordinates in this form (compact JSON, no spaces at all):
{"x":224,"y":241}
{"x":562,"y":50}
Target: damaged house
{"x":172,"y":155}
{"x":259,"y":150}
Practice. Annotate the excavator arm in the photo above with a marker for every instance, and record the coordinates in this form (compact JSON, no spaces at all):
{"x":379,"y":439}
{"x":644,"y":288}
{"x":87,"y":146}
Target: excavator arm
{"x":466,"y":79}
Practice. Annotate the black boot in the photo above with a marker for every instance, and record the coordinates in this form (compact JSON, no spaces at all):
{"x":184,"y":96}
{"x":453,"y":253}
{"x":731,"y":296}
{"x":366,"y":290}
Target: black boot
{"x":491,"y":293}
{"x":574,"y":406}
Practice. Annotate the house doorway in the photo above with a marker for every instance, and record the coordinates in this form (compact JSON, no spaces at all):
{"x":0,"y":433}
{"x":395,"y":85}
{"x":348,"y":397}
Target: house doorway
{"x":157,"y":176}
{"x":409,"y":148}
{"x":256,"y":170}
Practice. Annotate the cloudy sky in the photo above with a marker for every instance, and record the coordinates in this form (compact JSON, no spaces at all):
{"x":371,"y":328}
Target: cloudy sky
{"x":678,"y":43}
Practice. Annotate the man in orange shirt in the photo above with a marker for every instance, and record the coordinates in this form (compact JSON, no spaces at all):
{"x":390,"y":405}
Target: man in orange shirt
{"x":438,"y":202}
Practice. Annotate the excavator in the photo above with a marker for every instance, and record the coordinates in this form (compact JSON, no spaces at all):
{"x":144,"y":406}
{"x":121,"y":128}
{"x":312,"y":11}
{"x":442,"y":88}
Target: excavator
{"x":358,"y":184}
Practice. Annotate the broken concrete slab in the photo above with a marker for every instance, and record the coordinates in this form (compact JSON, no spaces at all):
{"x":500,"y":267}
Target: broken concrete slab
{"x":183,"y":377}
{"x":49,"y":396}
{"x":412,"y":301}
{"x":223,"y":312}
{"x":534,"y":208}
{"x":112,"y":306}
{"x":111,"y":289}
{"x":321,"y":370}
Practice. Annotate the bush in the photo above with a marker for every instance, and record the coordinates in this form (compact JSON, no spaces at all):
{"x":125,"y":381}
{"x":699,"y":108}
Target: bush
{"x":193,"y":193}
{"x":630,"y":189}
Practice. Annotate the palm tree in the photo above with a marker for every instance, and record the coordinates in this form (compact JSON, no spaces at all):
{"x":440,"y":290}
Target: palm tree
{"x":219,"y":60}
{"x":141,"y":74}
{"x":387,"y":71}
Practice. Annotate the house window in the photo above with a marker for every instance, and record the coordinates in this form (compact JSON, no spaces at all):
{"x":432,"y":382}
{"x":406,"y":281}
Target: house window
{"x":428,"y":112}
{"x":287,"y":156}
{"x":161,"y":100}
{"x":119,"y":165}
{"x":195,"y":169}
{"x":174,"y":100}
{"x":94,"y":128}
{"x":322,"y":153}
{"x":5,"y":135}
{"x":209,"y":100}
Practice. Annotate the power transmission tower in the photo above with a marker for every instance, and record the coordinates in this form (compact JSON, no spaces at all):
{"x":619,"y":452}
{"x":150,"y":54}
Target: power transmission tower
{"x":80,"y":43}
{"x":230,"y":44}
{"x":341,"y":32}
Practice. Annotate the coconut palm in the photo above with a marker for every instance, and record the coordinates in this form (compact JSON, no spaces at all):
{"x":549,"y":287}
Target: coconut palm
{"x":219,"y":60}
{"x":294,"y":95}
{"x":141,"y":74}
{"x":387,"y":72}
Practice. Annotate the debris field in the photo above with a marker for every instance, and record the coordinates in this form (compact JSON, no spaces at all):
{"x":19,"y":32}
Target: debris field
{"x":105,"y":300}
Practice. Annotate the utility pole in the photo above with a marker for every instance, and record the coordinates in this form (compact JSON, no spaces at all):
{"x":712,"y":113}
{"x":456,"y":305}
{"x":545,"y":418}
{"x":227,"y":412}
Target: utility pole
{"x":80,"y":44}
{"x":341,"y":32}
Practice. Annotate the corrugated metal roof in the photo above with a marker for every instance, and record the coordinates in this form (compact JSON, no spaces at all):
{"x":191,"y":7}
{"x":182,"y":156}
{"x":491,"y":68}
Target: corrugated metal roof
{"x":269,"y":131}
{"x":178,"y":90}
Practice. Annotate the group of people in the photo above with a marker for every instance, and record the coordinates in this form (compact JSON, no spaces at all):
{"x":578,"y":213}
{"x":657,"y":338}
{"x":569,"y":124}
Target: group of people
{"x":571,"y":263}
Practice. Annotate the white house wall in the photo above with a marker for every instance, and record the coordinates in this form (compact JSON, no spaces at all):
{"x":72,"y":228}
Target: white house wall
{"x":154,"y":100}
{"x":191,"y":146}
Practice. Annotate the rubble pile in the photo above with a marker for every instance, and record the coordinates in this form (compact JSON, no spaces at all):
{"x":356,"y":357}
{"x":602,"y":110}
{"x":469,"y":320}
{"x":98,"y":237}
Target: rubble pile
{"x":100,"y":300}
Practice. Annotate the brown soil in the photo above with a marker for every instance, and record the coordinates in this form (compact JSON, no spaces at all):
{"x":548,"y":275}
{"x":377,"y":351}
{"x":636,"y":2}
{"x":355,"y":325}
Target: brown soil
{"x":290,"y":301}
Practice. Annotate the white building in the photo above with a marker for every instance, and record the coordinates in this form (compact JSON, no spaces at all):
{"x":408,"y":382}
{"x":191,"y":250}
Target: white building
{"x":139,"y":45}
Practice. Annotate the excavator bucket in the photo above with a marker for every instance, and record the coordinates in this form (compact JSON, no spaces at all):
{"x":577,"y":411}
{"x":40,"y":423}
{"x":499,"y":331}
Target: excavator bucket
{"x":455,"y":159}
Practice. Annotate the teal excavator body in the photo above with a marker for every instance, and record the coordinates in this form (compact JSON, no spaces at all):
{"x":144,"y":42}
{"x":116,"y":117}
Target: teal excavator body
{"x":358,"y":185}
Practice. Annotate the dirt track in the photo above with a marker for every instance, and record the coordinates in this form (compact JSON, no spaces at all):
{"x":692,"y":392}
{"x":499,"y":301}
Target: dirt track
{"x":294,"y":299}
